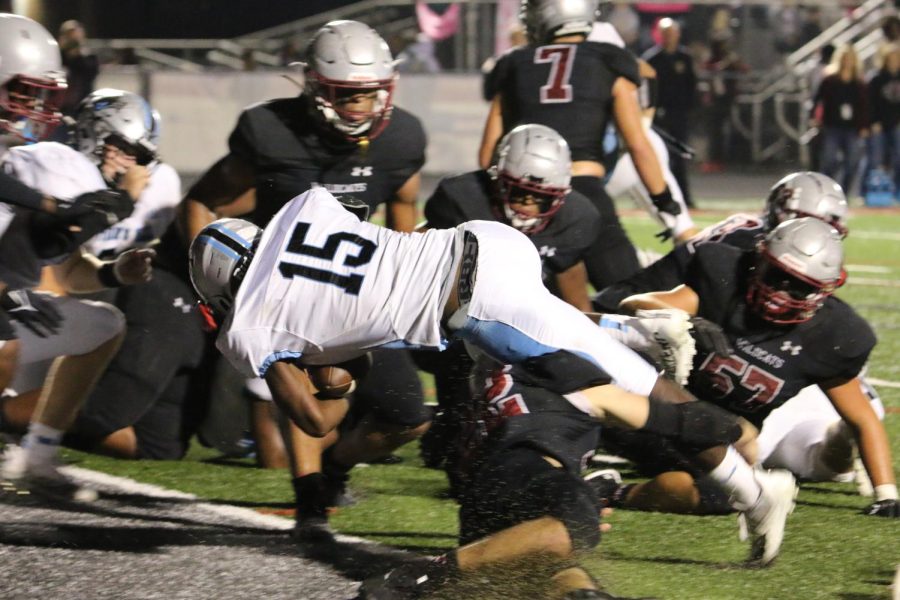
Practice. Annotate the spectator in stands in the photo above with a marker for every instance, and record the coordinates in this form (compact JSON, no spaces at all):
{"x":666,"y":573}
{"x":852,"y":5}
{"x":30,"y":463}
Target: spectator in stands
{"x":840,"y":109}
{"x":723,"y":67}
{"x":677,"y":86}
{"x":890,"y":27}
{"x":418,"y":55}
{"x":291,"y":52}
{"x":812,"y":25}
{"x":884,"y":98}
{"x":82,"y":67}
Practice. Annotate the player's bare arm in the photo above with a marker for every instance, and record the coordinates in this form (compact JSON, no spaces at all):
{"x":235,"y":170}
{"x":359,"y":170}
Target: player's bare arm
{"x":572,"y":284}
{"x":627,"y":113}
{"x":681,"y":297}
{"x":84,"y":273}
{"x":493,"y":129}
{"x":874,"y":448}
{"x":402,"y":211}
{"x":293,"y":394}
{"x":224,"y":184}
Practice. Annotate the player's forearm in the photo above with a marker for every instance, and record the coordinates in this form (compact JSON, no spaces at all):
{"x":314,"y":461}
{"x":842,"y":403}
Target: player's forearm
{"x":647,"y":165}
{"x":193,"y":216}
{"x":402,"y":216}
{"x":875,"y":451}
{"x":291,"y":392}
{"x":79,"y":273}
{"x":649,"y":301}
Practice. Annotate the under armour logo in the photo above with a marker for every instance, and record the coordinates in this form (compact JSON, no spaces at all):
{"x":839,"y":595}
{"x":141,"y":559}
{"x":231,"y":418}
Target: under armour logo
{"x":787,"y":346}
{"x":548,"y":251}
{"x":180,"y":303}
{"x":361,"y":172}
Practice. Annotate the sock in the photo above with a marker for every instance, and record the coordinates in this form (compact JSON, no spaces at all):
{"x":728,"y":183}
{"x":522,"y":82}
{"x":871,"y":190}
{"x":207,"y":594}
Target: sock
{"x":620,"y":327}
{"x":41,"y":442}
{"x":736,"y":477}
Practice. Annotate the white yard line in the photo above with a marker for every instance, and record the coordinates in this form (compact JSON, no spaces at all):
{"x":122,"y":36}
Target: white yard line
{"x":874,"y":282}
{"x":876,"y":235}
{"x":883,"y":383}
{"x":869,"y":268}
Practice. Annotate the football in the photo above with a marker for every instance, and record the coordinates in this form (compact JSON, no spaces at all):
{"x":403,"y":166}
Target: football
{"x":332,"y":382}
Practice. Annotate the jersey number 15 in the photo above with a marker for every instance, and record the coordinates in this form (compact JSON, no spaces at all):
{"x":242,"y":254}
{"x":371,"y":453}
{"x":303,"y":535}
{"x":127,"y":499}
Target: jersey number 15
{"x":352,"y":283}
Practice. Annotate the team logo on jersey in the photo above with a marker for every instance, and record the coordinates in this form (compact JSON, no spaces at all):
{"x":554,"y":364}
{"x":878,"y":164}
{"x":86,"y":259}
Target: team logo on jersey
{"x":180,"y":303}
{"x":361,"y":171}
{"x":787,"y":346}
{"x":547,"y":251}
{"x":342,"y":188}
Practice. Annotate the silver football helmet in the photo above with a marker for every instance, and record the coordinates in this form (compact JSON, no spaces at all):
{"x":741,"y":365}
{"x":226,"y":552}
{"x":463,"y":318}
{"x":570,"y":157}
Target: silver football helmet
{"x":533,"y":166}
{"x":123,"y":119}
{"x":32,"y":79}
{"x":807,"y":194}
{"x":218,"y":258}
{"x":345,"y":59}
{"x":799,"y":264}
{"x":546,"y":19}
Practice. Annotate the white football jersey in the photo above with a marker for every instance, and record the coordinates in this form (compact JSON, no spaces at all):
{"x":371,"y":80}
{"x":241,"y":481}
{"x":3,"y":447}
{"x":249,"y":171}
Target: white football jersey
{"x":325,"y":287}
{"x":55,"y":170}
{"x":153,"y":211}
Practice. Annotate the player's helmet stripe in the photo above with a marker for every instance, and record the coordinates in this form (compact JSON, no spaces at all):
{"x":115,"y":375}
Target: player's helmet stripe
{"x":222,"y":243}
{"x":229,"y":234}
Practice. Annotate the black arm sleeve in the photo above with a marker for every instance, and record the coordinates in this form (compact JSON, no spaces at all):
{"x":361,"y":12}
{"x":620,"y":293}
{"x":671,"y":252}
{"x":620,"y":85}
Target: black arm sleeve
{"x":441,"y":212}
{"x":13,"y":191}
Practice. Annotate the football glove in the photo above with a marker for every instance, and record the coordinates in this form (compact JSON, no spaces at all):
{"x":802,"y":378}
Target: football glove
{"x":32,"y":310}
{"x":710,"y":337}
{"x":665,"y":203}
{"x":884,"y":508}
{"x":113,"y":205}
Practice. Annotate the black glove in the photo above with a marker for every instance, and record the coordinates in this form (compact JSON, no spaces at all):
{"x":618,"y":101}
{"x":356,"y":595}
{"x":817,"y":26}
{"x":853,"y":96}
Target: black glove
{"x":710,"y":337}
{"x":664,"y":202}
{"x":665,"y":235}
{"x":884,"y":508}
{"x":32,"y":310}
{"x":113,"y":205}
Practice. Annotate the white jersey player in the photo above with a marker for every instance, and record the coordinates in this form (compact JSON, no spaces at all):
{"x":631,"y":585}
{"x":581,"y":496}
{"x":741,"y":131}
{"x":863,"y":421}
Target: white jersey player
{"x":323,"y":287}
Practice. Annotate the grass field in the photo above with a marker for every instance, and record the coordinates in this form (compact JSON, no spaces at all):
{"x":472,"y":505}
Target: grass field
{"x":830,"y":550}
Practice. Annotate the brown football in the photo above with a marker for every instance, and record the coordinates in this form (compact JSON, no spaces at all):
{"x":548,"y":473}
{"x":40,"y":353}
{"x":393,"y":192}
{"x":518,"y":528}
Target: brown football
{"x":331,"y":382}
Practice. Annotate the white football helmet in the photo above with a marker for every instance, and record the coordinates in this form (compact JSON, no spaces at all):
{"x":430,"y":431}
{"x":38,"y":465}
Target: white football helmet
{"x":123,"y":119}
{"x":807,"y":194}
{"x":219,"y":257}
{"x":346,"y":58}
{"x":800,"y":263}
{"x":547,"y":19}
{"x":533,"y":163}
{"x":32,"y":79}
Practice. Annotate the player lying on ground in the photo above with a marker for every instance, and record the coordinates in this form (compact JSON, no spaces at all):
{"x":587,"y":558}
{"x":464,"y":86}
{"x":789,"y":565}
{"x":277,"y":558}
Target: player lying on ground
{"x":320,"y":287}
{"x":783,"y":331}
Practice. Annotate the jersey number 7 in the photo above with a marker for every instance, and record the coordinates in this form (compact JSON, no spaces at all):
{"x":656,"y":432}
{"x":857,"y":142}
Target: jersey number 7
{"x":349,"y":283}
{"x":561,"y":57}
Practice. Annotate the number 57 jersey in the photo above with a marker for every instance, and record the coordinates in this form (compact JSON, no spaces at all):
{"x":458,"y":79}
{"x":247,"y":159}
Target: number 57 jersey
{"x":324,"y":287}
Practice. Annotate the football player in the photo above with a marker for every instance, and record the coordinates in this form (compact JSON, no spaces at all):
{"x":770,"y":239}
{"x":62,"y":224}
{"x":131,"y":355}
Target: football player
{"x":342,"y":133}
{"x":785,"y":331}
{"x":82,"y":335}
{"x":576,"y":86}
{"x":317,"y":286}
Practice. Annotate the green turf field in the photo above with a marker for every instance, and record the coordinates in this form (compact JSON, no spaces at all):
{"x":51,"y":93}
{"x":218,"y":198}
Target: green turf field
{"x":830,"y":550}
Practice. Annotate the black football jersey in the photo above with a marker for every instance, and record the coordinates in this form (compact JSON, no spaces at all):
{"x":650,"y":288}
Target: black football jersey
{"x":520,"y":414}
{"x":770,"y":363}
{"x":290,"y":154}
{"x":561,"y":244}
{"x":564,"y":86}
{"x":740,"y":231}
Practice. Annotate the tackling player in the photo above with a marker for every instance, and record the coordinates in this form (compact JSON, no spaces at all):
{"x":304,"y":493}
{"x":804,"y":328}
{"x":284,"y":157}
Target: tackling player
{"x":577,"y":86}
{"x":786,"y":332}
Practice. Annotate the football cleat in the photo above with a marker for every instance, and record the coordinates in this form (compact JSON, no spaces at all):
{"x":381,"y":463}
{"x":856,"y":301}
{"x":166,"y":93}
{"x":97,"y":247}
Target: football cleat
{"x":42,"y":477}
{"x":673,"y":347}
{"x":605,"y":482}
{"x":406,"y":582}
{"x":312,"y":528}
{"x":764,"y":522}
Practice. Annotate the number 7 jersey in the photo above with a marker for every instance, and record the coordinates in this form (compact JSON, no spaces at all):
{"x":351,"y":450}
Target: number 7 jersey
{"x":324,"y":287}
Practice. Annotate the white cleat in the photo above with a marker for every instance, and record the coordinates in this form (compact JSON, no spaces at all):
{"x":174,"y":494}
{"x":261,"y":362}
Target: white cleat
{"x":42,"y":477}
{"x":764,"y":522}
{"x":673,"y":346}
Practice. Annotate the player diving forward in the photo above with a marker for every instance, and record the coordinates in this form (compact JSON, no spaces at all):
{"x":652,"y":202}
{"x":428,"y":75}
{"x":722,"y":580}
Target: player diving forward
{"x":320,"y":287}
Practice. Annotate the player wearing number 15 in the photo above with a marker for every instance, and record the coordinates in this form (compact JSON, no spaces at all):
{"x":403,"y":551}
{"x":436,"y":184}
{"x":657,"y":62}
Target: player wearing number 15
{"x":576,"y":86}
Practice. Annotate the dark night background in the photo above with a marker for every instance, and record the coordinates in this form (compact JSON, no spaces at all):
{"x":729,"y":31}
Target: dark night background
{"x":171,"y":18}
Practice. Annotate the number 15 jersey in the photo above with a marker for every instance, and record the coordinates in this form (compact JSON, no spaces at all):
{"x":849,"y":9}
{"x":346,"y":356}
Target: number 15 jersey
{"x":324,"y":287}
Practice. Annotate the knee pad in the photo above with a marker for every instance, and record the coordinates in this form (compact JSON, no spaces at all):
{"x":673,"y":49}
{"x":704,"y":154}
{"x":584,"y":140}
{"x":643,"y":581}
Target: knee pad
{"x":698,"y":425}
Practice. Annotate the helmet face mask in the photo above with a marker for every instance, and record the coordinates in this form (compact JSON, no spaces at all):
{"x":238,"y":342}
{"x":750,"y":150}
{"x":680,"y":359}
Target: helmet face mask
{"x":32,"y":80}
{"x":350,"y":78}
{"x":120,"y":119}
{"x":808,"y":194}
{"x":798,"y":266}
{"x":531,"y":177}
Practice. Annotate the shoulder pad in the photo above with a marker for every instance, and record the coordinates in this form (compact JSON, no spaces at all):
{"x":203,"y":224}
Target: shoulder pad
{"x":620,"y":61}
